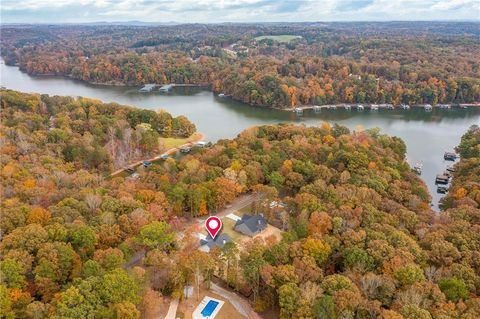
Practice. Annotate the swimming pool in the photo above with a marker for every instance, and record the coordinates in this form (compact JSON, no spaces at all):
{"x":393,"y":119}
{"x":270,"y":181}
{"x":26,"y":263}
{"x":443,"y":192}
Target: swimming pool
{"x":209,"y":308}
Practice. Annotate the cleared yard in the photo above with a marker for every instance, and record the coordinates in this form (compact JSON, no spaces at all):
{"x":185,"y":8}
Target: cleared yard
{"x":245,"y":210}
{"x":172,"y":142}
{"x":228,"y":225}
{"x":278,"y":38}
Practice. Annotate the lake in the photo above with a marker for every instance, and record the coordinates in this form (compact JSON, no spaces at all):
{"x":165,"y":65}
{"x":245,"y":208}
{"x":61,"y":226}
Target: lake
{"x":427,"y":134}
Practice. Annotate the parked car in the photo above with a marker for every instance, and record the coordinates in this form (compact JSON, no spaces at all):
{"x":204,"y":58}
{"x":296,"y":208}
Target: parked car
{"x":185,"y":149}
{"x":147,"y":164}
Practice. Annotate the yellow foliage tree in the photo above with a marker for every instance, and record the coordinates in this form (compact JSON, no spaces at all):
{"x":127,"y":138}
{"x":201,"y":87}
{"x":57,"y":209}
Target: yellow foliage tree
{"x":460,"y":193}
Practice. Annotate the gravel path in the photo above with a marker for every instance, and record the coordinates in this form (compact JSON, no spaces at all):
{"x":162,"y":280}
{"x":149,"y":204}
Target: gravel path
{"x":172,"y":310}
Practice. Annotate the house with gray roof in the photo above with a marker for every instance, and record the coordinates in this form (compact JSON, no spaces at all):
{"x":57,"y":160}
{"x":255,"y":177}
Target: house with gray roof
{"x":209,"y":243}
{"x":251,"y":225}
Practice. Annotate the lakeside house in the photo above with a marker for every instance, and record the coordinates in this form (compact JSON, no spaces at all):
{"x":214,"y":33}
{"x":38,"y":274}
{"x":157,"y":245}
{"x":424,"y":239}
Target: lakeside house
{"x":209,"y":243}
{"x":251,"y":225}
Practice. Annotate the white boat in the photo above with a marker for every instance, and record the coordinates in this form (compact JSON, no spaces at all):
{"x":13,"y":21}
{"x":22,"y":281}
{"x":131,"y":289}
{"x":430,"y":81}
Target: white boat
{"x":360,"y":107}
{"x":221,"y":95}
{"x":374,"y":107}
{"x":298,"y":110}
{"x":405,"y":106}
{"x":428,"y":107}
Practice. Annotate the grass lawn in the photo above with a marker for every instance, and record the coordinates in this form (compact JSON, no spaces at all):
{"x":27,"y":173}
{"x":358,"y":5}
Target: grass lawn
{"x":228,"y":225}
{"x":245,"y":210}
{"x":171,"y":142}
{"x":278,"y":38}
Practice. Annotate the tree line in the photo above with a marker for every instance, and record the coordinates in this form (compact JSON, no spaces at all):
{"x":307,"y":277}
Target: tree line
{"x":376,"y":63}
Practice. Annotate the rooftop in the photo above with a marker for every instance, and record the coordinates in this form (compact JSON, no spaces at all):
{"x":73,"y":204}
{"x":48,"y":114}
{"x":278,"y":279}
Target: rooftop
{"x":251,"y":225}
{"x":208,"y":243}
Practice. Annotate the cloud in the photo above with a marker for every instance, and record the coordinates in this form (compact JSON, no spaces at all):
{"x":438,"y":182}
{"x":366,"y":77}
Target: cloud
{"x":349,"y":5}
{"x":211,"y":11}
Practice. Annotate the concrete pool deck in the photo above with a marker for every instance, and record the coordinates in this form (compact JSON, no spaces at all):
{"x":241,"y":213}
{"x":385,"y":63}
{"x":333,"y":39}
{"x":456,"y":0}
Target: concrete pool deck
{"x":197,"y":313}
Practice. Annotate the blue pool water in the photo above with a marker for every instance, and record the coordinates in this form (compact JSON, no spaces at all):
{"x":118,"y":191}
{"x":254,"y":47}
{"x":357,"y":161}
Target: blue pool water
{"x":209,"y":308}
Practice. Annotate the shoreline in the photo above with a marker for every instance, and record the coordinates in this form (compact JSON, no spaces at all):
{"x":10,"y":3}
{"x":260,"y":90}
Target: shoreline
{"x":374,"y":106}
{"x":339,"y":105}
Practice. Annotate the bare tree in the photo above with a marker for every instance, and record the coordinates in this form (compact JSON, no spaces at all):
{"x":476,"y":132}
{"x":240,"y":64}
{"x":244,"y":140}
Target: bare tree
{"x":93,"y":202}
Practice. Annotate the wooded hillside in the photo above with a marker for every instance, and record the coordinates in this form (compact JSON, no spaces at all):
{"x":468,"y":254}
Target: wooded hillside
{"x":396,"y":63}
{"x":359,"y":239}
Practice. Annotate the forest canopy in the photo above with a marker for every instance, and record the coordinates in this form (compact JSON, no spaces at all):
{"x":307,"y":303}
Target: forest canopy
{"x":359,"y":239}
{"x":87,"y":133}
{"x":324,"y":63}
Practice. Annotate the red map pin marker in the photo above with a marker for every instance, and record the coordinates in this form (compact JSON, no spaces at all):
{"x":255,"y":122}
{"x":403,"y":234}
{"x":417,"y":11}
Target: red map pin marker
{"x":213,"y":225}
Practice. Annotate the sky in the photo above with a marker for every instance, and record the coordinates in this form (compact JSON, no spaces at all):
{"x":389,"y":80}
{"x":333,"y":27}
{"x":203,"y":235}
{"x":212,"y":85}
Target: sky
{"x":217,"y":11}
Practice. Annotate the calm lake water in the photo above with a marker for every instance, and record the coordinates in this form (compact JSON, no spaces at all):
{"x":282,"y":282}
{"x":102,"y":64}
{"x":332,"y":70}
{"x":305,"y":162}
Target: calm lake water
{"x":427,"y":134}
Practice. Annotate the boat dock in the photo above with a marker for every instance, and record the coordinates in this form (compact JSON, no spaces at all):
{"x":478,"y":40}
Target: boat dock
{"x":417,"y":168}
{"x":147,"y":88}
{"x":449,"y":156}
{"x":442,"y":179}
{"x":374,"y":107}
{"x":166,"y":88}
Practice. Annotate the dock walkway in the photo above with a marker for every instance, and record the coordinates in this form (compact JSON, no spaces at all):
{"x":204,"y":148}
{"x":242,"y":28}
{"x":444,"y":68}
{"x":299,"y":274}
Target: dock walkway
{"x":357,"y":106}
